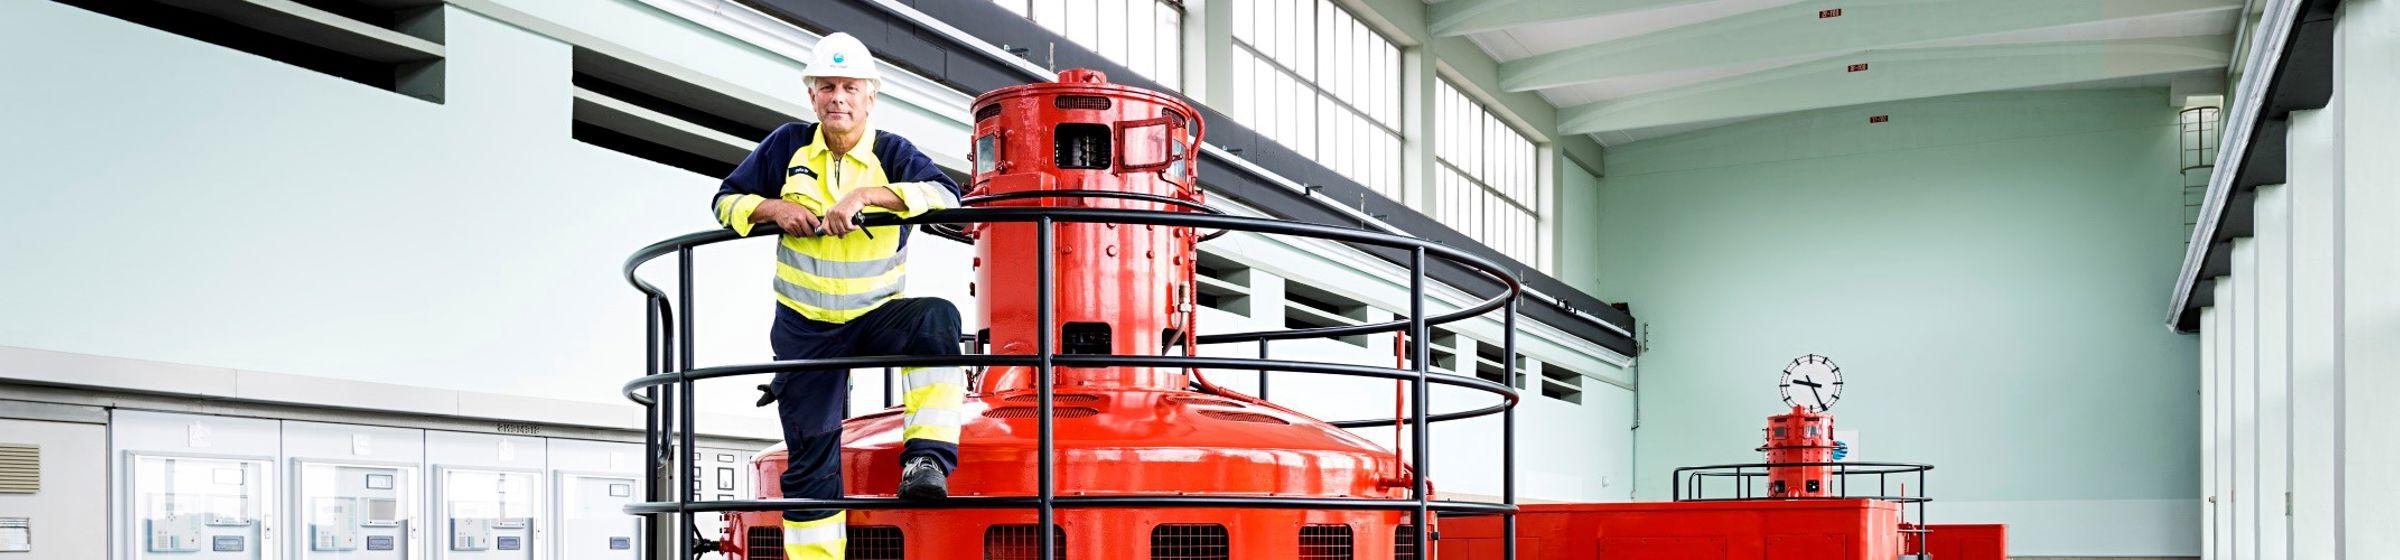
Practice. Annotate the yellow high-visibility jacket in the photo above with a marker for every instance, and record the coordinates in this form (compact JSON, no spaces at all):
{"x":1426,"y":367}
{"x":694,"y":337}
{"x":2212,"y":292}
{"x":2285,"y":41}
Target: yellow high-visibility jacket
{"x":834,"y":279}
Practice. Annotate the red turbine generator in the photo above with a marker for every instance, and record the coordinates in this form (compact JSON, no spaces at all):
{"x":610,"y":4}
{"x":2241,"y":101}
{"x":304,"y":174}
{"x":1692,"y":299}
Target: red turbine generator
{"x":1119,"y":431}
{"x":1082,"y":213}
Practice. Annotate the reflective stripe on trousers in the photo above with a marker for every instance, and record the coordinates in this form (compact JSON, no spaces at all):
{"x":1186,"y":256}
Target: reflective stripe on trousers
{"x":816,"y":539}
{"x":935,"y":404}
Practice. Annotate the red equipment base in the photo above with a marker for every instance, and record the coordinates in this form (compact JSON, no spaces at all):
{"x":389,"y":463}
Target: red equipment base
{"x":1967,"y":542}
{"x":1729,"y":530}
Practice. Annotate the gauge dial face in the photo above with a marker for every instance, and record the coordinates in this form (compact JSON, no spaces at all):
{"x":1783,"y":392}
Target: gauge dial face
{"x":1812,"y":382}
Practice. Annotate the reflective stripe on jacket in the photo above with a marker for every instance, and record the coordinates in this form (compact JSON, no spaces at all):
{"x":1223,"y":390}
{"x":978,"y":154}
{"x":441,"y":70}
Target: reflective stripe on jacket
{"x":834,"y":279}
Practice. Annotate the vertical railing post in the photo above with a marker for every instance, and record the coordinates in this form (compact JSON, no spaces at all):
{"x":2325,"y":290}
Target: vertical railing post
{"x":887,"y":387}
{"x":1508,"y":432}
{"x":1262,"y":374}
{"x":1422,"y":434}
{"x":1044,"y":346}
{"x":687,"y":457}
{"x":653,"y":436}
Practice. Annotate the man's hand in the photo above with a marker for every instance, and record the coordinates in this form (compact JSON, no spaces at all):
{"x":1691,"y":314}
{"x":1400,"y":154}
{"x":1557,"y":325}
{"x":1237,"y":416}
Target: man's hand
{"x":794,"y":219}
{"x":840,"y":219}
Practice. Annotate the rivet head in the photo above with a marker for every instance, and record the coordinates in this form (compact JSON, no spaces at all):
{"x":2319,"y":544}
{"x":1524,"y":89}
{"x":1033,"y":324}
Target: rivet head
{"x":1112,"y":250}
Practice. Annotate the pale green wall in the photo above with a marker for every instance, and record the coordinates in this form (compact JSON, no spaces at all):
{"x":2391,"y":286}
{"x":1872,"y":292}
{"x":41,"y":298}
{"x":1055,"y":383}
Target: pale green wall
{"x":1989,"y":271}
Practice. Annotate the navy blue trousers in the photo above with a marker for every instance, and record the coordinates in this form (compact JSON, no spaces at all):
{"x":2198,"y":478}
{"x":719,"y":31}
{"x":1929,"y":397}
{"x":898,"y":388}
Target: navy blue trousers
{"x":810,"y":402}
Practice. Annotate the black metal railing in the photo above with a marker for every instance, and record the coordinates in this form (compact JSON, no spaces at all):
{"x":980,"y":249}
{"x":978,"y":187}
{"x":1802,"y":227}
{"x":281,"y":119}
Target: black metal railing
{"x":666,"y":393}
{"x":1691,"y":485}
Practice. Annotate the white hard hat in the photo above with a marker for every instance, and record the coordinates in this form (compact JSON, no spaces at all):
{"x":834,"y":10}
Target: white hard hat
{"x":841,"y":56}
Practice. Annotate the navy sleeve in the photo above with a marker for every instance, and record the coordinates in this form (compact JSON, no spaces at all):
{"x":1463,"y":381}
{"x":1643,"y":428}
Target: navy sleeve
{"x":903,"y":163}
{"x":760,"y":174}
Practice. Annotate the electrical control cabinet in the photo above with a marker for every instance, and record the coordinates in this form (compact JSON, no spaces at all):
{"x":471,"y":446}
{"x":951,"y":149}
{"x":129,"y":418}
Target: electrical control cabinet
{"x":592,"y":520}
{"x":357,"y":492}
{"x":195,"y":487}
{"x":355,"y":511}
{"x":487,"y":514}
{"x":200,"y":508}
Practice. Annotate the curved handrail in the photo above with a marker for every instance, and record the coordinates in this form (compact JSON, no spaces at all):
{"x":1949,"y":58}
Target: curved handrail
{"x":1022,"y":214}
{"x":676,"y":418}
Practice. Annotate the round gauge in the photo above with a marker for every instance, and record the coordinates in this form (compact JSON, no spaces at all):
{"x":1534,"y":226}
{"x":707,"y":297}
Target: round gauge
{"x":1812,"y":382}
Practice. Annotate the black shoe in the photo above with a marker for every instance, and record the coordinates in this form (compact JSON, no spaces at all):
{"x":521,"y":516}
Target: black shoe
{"x":921,"y":478}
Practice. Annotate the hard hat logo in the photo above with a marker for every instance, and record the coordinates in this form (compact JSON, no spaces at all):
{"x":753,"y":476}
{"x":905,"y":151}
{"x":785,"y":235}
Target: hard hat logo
{"x":834,"y":59}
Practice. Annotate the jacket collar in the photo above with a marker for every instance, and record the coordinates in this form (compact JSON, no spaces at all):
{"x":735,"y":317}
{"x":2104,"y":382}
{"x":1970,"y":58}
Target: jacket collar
{"x":864,"y":152}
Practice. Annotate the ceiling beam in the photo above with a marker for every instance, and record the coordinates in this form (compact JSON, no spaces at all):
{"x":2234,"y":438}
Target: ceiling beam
{"x":1797,"y":32}
{"x":1896,"y":75}
{"x":1452,"y":18}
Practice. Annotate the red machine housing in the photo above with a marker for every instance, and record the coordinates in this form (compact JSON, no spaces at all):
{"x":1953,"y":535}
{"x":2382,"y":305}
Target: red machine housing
{"x":1120,"y":289}
{"x":1725,"y":530}
{"x":1799,"y":436}
{"x":1980,"y":541}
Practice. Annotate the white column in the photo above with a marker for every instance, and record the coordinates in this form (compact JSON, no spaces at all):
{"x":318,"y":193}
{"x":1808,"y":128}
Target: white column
{"x":2209,"y":368}
{"x":2315,"y":264}
{"x":2366,"y":82}
{"x":2273,"y":396}
{"x":2228,"y":315}
{"x":2242,"y":399}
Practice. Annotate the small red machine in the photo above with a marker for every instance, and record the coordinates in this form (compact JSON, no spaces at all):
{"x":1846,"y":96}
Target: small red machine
{"x":1802,"y":441}
{"x":1119,"y":431}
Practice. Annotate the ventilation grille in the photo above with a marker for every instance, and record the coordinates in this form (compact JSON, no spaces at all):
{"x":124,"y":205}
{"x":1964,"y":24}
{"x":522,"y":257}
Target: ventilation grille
{"x":1188,"y":542}
{"x":766,"y":543}
{"x":987,"y":111}
{"x":1057,"y":398}
{"x":1404,"y":543}
{"x":1325,"y":542}
{"x":1239,"y":416}
{"x":20,"y":468}
{"x":1036,"y":412}
{"x":1202,"y":401}
{"x":876,"y":542}
{"x":1021,"y":542}
{"x":1082,"y":102}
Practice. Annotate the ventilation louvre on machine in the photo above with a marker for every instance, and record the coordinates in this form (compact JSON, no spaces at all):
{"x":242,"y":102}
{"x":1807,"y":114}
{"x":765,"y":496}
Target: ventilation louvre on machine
{"x":1189,"y":542}
{"x":1021,"y":542}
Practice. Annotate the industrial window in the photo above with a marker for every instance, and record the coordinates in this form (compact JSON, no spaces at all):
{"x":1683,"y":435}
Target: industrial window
{"x":1319,"y":81}
{"x":1021,"y":542}
{"x":1488,"y":365}
{"x":1562,"y":383}
{"x":1445,"y":350}
{"x":1224,"y":284}
{"x":394,"y":45}
{"x":1488,"y":180}
{"x":1189,"y":542}
{"x":1307,"y":306}
{"x":876,"y":542}
{"x":1325,"y":542}
{"x":1144,"y":35}
{"x":630,"y":107}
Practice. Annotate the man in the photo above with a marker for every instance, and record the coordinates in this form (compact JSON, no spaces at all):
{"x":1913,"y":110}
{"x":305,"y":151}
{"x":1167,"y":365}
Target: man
{"x":839,"y":286}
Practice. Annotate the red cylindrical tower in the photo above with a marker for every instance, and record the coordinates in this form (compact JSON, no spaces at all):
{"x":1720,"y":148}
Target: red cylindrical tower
{"x":1120,"y":289}
{"x":1799,"y":436}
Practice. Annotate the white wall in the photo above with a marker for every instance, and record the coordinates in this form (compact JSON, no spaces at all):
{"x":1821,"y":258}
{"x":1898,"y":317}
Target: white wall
{"x":178,"y":202}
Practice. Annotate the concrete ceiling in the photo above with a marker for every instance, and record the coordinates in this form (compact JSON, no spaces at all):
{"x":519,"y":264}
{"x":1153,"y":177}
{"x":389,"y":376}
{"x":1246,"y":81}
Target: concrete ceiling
{"x":1627,"y":70}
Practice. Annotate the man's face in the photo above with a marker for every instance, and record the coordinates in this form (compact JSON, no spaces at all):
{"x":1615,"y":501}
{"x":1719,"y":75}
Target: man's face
{"x":842,"y":104}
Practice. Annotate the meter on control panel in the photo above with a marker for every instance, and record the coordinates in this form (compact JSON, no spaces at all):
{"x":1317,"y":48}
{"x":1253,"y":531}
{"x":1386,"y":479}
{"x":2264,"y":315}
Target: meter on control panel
{"x":488,"y":514}
{"x":200,"y":508}
{"x":355,"y":511}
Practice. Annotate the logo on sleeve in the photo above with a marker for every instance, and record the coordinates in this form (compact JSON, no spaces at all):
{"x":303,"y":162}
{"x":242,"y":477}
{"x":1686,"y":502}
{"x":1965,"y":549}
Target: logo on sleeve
{"x":800,"y":170}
